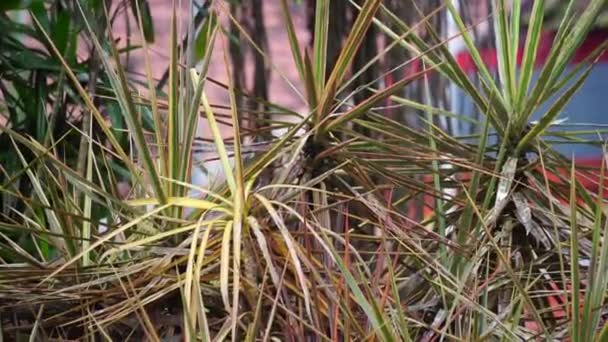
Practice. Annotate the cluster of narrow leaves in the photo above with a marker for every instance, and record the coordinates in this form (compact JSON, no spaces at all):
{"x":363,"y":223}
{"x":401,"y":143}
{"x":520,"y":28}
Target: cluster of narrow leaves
{"x":313,"y":238}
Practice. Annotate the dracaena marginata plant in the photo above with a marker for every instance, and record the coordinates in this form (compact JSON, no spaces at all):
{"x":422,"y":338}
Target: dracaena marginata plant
{"x":308,"y":233}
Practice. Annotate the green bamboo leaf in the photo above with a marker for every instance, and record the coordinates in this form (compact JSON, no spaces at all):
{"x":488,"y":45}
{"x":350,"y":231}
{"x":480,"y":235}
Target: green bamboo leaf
{"x":530,"y":49}
{"x":9,"y":5}
{"x":576,"y":70}
{"x":88,"y":201}
{"x":373,"y":100}
{"x":98,"y":194}
{"x":225,"y":265}
{"x":542,"y":85}
{"x":205,"y":37}
{"x":293,"y":39}
{"x":275,"y":150}
{"x":65,"y":243}
{"x":515,"y":22}
{"x":437,"y":181}
{"x":557,"y":108}
{"x":575,"y":331}
{"x":141,"y":12}
{"x":351,"y":45}
{"x":597,"y":279}
{"x":103,"y":240}
{"x":506,"y":67}
{"x":119,"y":83}
{"x":472,"y":48}
{"x":201,"y":309}
{"x":174,"y":117}
{"x":63,"y":36}
{"x":238,"y":198}
{"x":219,"y":143}
{"x":320,"y":43}
{"x":156,"y":124}
{"x":192,"y":123}
{"x":189,"y":308}
{"x":603,"y":335}
{"x":574,"y":37}
{"x":89,"y":104}
{"x":309,"y":82}
{"x":442,"y":59}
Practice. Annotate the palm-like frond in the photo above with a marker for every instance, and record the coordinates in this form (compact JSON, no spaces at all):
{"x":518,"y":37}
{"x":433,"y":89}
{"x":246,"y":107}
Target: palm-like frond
{"x":350,"y":226}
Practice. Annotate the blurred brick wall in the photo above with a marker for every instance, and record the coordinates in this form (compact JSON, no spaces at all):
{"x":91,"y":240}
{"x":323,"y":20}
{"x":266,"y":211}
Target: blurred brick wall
{"x":283,"y":68}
